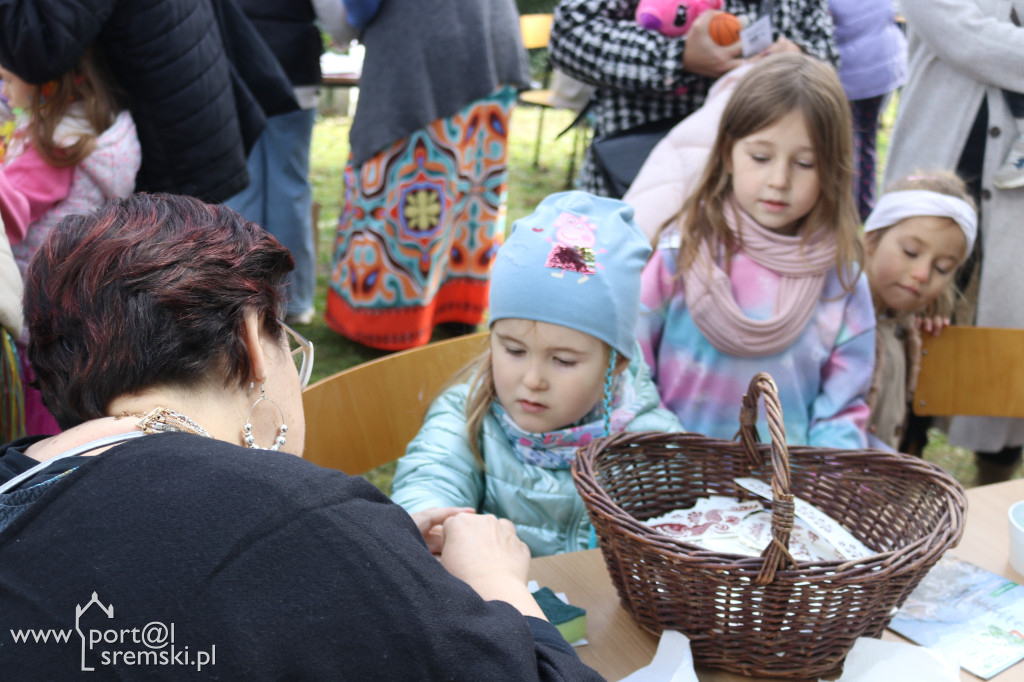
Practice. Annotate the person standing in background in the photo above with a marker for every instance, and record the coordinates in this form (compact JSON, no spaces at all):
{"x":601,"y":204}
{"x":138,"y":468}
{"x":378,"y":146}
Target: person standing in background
{"x":962,"y":55}
{"x":425,"y":184}
{"x":199,"y":96}
{"x":74,"y":147}
{"x":279,"y":196}
{"x":872,"y":64}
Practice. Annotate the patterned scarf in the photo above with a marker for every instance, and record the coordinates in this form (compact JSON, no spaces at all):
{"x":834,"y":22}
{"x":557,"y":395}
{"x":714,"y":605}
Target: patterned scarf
{"x":802,"y":268}
{"x":557,"y":449}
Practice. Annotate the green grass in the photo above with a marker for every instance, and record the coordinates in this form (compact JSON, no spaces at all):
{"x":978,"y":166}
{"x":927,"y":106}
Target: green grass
{"x":527,"y":186}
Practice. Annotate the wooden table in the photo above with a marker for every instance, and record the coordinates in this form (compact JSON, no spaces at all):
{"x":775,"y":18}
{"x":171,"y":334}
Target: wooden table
{"x":340,"y":80}
{"x":337,"y":96}
{"x":618,"y":646}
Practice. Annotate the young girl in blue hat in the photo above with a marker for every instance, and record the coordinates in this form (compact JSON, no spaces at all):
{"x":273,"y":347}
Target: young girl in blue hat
{"x":563,"y":368}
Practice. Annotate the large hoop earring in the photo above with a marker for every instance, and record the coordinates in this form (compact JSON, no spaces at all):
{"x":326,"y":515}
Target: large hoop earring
{"x":247,"y":436}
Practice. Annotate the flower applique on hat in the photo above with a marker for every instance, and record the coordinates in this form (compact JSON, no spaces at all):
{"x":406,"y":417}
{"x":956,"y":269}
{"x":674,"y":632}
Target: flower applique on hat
{"x":573,"y":247}
{"x":574,"y":238}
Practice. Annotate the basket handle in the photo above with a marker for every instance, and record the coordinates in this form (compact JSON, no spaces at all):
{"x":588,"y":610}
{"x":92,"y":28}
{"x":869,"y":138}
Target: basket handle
{"x":776,"y":554}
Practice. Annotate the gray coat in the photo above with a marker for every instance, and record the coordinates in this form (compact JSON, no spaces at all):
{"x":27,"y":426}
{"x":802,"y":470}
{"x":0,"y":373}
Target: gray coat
{"x":427,"y":60}
{"x":961,"y":51}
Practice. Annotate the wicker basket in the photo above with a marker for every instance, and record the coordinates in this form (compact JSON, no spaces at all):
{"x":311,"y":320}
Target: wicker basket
{"x":768,"y":615}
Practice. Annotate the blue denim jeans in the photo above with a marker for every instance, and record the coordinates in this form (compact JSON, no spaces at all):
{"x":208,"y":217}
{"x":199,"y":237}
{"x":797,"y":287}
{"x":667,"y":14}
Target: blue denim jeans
{"x":280,"y":197}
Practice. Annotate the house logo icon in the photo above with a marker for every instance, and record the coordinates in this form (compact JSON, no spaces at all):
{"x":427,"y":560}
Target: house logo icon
{"x":79,"y":611}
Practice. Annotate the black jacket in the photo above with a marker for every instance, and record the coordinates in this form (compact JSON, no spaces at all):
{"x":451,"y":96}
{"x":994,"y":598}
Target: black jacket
{"x":289,"y":570}
{"x":288,"y":28}
{"x":200,"y":82}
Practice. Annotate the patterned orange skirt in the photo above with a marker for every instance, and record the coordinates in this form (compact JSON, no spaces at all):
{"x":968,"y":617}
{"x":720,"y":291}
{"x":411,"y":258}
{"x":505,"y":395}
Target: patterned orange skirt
{"x":420,"y":225}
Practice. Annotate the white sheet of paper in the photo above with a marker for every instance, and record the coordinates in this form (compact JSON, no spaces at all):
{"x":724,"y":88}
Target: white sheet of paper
{"x":757,"y":37}
{"x":875,"y":660}
{"x":870,"y":660}
{"x":845,"y":543}
{"x":672,"y":662}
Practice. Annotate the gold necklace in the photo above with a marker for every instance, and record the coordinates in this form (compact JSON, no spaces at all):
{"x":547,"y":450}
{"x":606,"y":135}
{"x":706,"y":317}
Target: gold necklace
{"x":163,"y":419}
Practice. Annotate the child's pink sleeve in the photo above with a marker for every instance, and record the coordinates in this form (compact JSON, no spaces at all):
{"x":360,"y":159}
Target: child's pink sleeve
{"x":29,"y":187}
{"x":839,"y":413}
{"x":656,"y":287}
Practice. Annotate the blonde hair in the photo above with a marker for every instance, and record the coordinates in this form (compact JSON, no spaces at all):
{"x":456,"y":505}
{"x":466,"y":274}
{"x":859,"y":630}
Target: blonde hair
{"x":482,"y":393}
{"x":88,"y":83}
{"x":941,"y":182}
{"x":774,"y":88}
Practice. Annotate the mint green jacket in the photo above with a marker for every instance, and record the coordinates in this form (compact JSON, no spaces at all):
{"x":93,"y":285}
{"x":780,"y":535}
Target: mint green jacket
{"x":439,"y":470}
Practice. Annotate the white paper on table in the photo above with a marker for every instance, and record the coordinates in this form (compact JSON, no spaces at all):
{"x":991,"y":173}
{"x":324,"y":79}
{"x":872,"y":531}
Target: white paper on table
{"x":870,"y":660}
{"x":672,"y":662}
{"x":875,"y":660}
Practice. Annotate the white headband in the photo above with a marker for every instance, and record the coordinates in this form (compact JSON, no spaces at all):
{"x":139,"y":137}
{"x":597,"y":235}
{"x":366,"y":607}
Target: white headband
{"x":896,"y":206}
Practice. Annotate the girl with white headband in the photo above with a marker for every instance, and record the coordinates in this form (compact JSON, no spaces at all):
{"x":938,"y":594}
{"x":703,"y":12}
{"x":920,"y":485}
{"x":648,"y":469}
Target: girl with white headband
{"x":919,"y":233}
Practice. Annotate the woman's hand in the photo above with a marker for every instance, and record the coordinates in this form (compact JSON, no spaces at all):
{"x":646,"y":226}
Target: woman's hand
{"x":431,"y":522}
{"x":703,"y":56}
{"x":486,"y":553}
{"x":783,"y":44}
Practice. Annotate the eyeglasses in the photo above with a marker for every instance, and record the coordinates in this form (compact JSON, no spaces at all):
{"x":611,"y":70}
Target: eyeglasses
{"x":301,"y":350}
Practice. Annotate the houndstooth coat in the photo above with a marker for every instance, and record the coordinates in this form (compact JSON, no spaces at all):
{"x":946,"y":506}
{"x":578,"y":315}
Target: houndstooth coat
{"x":639,"y":73}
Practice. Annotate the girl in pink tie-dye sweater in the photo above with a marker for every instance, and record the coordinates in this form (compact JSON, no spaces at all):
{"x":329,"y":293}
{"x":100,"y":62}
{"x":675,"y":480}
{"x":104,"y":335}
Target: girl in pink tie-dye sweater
{"x":759,"y":272}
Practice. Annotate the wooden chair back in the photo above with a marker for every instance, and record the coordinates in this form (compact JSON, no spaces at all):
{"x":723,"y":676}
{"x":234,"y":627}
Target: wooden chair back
{"x":536,"y":33}
{"x":536,"y":30}
{"x":364,"y":416}
{"x":976,"y":371}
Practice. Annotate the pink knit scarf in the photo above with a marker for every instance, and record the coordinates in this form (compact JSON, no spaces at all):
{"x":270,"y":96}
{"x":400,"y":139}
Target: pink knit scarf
{"x":802,"y":268}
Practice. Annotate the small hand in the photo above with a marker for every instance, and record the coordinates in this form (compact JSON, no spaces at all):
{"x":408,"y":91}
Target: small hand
{"x":431,"y":524}
{"x":703,"y":56}
{"x":783,"y":44}
{"x":931,"y":325}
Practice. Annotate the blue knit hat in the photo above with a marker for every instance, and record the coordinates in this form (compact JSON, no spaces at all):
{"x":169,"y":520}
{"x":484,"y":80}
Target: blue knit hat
{"x":575,"y":261}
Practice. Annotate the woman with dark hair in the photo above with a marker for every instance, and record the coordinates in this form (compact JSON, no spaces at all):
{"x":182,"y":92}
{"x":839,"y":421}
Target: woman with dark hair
{"x":157,"y":341}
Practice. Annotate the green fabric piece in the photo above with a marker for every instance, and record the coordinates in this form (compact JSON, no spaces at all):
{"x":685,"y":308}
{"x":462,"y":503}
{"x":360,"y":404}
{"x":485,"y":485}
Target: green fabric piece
{"x":570,"y":620}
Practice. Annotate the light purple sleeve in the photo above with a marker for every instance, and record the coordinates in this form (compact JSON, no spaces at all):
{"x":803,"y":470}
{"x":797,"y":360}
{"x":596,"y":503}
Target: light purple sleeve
{"x":839,"y":414}
{"x":657,"y":285}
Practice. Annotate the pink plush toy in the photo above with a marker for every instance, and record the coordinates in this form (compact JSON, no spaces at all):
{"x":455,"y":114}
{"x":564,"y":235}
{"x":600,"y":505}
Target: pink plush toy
{"x":672,"y":18}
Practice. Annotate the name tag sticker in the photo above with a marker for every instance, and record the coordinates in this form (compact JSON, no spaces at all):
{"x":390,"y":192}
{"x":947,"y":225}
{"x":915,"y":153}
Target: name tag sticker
{"x":757,"y":37}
